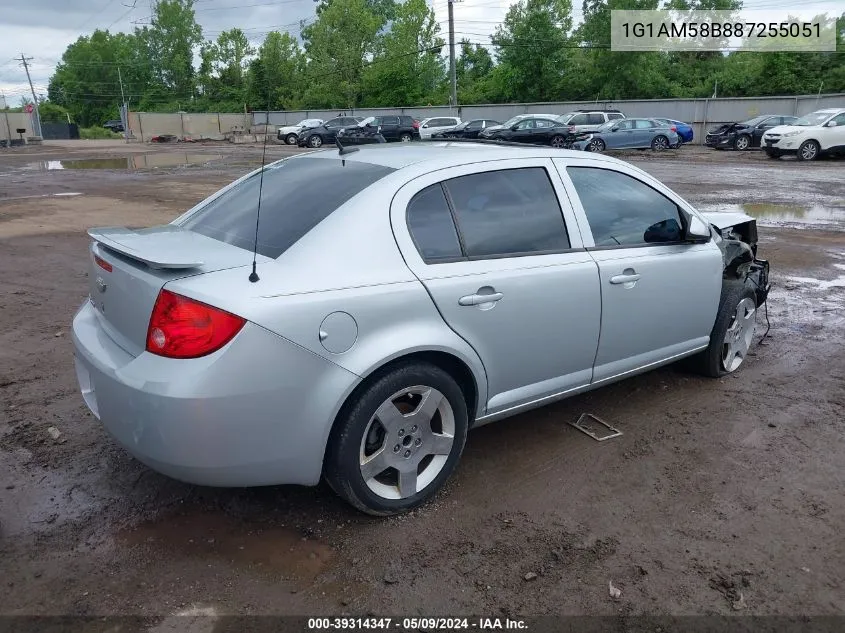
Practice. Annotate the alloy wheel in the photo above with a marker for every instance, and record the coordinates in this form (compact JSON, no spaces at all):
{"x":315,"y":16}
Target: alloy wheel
{"x":809,"y":150}
{"x":739,"y":334}
{"x":660,"y":143}
{"x":407,"y":442}
{"x":742,"y":143}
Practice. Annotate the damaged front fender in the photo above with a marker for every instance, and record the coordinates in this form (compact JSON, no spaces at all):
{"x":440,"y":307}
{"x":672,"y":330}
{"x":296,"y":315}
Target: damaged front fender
{"x":736,"y":235}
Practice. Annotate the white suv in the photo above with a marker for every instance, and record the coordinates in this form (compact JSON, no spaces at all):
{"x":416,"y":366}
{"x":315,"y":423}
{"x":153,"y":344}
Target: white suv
{"x":437,"y":124}
{"x":580,"y":120}
{"x":817,"y":133}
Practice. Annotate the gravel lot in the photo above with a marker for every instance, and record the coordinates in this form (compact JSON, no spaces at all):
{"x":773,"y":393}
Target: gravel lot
{"x":717,"y":487}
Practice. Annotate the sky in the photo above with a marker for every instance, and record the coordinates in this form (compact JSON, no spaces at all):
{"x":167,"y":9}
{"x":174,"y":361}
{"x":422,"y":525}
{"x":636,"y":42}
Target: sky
{"x":42,"y":29}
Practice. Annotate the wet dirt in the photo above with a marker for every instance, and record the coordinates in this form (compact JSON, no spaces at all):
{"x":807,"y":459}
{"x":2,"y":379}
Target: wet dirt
{"x":715,"y":486}
{"x":135,"y":161}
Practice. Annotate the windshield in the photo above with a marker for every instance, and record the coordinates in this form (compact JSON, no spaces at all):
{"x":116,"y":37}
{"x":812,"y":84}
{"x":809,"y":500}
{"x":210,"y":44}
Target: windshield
{"x":814,"y":118}
{"x":289,"y":208}
{"x":755,"y":121}
{"x":369,"y":119}
{"x":461,"y":126}
{"x":513,"y":120}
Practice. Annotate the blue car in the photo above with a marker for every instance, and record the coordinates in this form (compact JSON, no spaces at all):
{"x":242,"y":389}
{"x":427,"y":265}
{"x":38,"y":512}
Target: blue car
{"x":628,"y":134}
{"x":684,"y":130}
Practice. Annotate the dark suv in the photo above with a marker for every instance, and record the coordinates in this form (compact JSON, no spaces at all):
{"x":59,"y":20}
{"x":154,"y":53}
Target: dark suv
{"x":326,"y":133}
{"x":391,"y":127}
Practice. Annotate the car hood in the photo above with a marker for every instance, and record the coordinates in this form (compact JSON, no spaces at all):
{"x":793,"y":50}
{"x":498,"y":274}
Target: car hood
{"x":727,"y":127}
{"x":781,"y":129}
{"x":287,"y":129}
{"x":494,"y":128}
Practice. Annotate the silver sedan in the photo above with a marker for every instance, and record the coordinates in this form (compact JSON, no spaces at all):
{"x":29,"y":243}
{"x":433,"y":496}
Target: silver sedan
{"x":400,"y":296}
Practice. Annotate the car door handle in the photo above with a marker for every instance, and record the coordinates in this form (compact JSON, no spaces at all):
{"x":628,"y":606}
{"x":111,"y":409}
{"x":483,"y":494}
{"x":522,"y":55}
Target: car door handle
{"x":476,"y":299}
{"x":624,"y":278}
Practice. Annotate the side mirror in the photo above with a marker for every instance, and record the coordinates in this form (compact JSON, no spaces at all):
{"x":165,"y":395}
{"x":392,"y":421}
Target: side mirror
{"x":425,"y":125}
{"x":831,"y":124}
{"x":697,"y":230}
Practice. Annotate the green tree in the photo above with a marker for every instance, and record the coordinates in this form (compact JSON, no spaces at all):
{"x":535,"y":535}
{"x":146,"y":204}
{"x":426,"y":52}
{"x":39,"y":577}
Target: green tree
{"x":222,"y":76}
{"x":473,"y":73}
{"x":87,"y":79}
{"x":172,"y":38}
{"x":275,"y":77}
{"x":336,"y":45}
{"x":407,"y":68}
{"x":533,"y":50}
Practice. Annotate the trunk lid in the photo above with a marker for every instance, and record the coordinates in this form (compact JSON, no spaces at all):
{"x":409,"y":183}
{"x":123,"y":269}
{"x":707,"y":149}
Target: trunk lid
{"x":140,"y":263}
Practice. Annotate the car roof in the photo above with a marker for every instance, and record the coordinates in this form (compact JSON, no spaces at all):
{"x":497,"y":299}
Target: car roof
{"x":446,"y":154}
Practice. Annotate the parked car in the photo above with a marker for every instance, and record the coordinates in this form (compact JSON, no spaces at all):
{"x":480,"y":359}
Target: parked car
{"x":745,"y":135}
{"x":316,"y":136}
{"x":683,"y":130}
{"x":114,"y":126}
{"x":491,"y":130}
{"x":816,"y":134}
{"x":436,"y":124}
{"x":423,"y":291}
{"x":628,"y":134}
{"x":290,"y":133}
{"x":392,"y":128}
{"x":534,"y":129}
{"x":467,"y":129}
{"x":580,"y":120}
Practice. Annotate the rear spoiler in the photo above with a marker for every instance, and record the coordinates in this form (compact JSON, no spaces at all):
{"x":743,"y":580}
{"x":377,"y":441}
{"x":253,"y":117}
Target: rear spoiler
{"x":159,"y":252}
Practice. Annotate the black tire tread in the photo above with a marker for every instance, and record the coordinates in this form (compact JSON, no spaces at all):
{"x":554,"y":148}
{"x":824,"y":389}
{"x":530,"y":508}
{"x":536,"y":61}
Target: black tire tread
{"x":708,"y":361}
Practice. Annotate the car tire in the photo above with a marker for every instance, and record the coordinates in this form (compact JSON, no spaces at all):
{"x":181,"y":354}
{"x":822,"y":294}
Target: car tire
{"x":315,"y":141}
{"x":405,"y":137}
{"x":809,"y":150}
{"x":291,"y":139}
{"x":729,"y":342}
{"x":742,"y":142}
{"x":558,"y":141}
{"x":367,"y":443}
{"x":659,"y":143}
{"x":596,"y":145}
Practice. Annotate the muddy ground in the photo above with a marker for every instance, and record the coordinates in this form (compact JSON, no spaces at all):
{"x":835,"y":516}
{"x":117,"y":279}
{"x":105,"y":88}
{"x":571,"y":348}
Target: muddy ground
{"x":717,"y":487}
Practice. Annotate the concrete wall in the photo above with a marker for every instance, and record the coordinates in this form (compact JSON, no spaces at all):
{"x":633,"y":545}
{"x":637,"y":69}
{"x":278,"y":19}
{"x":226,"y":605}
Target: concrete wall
{"x":700,"y":113}
{"x":145,"y":125}
{"x":10,"y":121}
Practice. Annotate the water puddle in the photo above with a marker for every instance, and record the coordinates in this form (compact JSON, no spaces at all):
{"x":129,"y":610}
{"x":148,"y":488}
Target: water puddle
{"x":210,"y":536}
{"x":135,"y":161}
{"x":771,"y":214}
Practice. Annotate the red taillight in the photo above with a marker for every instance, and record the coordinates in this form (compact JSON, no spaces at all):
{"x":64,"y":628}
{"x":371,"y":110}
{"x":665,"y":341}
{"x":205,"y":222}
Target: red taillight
{"x":674,"y":128}
{"x":184,"y":328}
{"x":416,"y":125}
{"x":102,"y":263}
{"x":571,"y":129}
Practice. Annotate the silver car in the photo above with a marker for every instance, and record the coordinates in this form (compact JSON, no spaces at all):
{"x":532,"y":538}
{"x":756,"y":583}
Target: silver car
{"x":427,"y":289}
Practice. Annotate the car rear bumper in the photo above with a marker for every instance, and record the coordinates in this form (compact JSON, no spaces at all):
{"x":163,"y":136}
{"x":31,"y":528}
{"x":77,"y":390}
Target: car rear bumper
{"x":257,"y":412}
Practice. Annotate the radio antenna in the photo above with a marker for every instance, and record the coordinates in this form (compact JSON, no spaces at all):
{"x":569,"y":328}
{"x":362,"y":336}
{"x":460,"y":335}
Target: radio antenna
{"x":253,"y":276}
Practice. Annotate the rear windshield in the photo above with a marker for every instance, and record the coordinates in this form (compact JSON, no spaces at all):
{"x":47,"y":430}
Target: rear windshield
{"x":297,"y":194}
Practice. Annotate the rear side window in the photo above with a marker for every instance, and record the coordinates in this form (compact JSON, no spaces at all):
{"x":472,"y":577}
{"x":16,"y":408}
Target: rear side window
{"x":643,"y":124}
{"x":614,"y":115}
{"x":297,"y":194}
{"x":507,"y":212}
{"x":431,"y":226}
{"x":622,"y":210}
{"x":595,"y":119}
{"x":390,"y":120}
{"x":578,"y":119}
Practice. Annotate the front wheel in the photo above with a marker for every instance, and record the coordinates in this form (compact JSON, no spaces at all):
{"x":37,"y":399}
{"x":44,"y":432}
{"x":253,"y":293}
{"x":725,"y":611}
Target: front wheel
{"x":315,"y":141}
{"x":732,"y":332}
{"x":558,"y":141}
{"x":596,"y":145}
{"x":742,"y":142}
{"x":809,"y":150}
{"x":398,"y":441}
{"x":291,"y":139}
{"x":659,"y":143}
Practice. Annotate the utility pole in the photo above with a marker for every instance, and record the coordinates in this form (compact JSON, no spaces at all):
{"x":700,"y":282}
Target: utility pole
{"x":124,"y":112}
{"x":452,"y":77}
{"x":37,"y":131}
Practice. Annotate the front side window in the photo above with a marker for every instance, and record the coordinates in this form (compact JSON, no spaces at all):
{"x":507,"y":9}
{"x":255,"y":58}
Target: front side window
{"x":624,"y":211}
{"x":527,"y":124}
{"x":507,"y":212}
{"x":289,"y":208}
{"x":614,"y":115}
